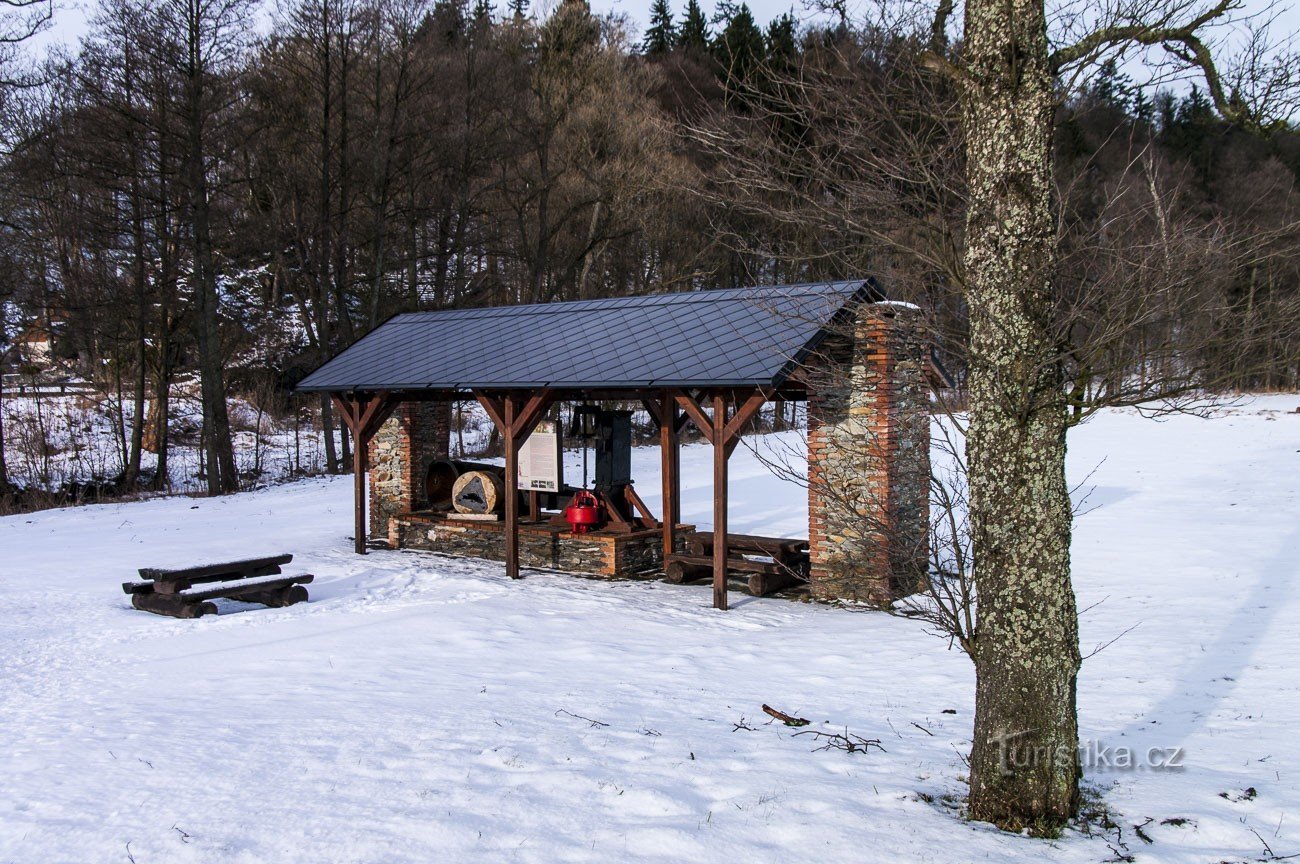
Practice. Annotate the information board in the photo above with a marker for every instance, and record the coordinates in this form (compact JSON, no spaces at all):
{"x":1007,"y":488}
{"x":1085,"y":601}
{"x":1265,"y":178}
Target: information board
{"x":540,"y":462}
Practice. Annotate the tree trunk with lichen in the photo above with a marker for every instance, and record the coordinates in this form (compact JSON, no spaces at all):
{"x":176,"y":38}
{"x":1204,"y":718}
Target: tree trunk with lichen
{"x":1024,"y":759}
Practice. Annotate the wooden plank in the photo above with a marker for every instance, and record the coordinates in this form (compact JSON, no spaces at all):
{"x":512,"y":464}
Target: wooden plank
{"x":175,"y":586}
{"x":205,"y":570}
{"x":236,"y":589}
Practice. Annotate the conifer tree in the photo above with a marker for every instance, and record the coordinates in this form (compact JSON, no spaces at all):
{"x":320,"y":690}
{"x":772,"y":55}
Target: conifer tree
{"x":694,"y":33}
{"x":661,"y":35}
{"x":739,"y":47}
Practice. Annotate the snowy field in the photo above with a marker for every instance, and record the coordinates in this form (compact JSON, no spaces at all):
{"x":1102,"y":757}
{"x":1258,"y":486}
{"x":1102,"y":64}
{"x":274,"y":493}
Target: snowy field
{"x":425,"y":709}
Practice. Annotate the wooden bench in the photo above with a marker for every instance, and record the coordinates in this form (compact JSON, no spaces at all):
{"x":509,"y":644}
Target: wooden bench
{"x":255,"y":580}
{"x":788,"y":565}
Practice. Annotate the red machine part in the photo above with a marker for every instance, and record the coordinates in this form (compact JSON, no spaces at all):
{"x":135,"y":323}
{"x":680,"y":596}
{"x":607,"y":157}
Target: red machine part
{"x":583,"y":512}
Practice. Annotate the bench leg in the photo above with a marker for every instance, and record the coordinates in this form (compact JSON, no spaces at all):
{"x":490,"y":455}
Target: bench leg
{"x":277,"y":597}
{"x":172,"y":604}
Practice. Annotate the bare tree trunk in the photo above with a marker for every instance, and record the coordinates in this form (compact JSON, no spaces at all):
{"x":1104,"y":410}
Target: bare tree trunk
{"x":323,"y":240}
{"x":219,"y":449}
{"x":221,"y":474}
{"x":1024,"y":759}
{"x":132,"y":473}
{"x":5,"y":486}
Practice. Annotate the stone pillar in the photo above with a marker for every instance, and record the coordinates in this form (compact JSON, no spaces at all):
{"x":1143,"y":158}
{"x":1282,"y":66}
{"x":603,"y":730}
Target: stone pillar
{"x":400,"y":454}
{"x":869,"y":458}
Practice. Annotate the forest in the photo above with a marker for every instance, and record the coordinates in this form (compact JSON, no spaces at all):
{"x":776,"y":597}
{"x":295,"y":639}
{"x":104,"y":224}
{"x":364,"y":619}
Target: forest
{"x":201,"y":200}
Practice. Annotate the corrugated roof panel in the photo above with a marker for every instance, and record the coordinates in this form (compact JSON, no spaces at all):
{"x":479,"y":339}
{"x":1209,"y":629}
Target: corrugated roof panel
{"x":737,"y":337}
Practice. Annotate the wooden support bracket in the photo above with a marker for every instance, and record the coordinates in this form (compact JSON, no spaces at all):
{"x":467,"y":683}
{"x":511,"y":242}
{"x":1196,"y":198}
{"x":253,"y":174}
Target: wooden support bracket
{"x":363,"y":415}
{"x":515,"y":418}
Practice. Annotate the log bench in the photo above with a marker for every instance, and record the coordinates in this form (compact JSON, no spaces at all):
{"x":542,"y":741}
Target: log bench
{"x":701,"y":543}
{"x":254,"y":580}
{"x":788,"y":565}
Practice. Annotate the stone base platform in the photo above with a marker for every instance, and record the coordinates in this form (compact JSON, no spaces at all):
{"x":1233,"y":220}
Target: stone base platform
{"x":607,"y":555}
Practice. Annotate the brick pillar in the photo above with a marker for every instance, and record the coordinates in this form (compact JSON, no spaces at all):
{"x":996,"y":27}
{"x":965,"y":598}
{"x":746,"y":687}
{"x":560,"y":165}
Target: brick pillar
{"x":869,"y":458}
{"x":400,"y":454}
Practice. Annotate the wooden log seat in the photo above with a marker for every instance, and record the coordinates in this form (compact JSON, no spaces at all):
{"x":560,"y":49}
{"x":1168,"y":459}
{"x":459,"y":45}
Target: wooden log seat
{"x":788,"y":565}
{"x":253,"y":580}
{"x":775,"y":547}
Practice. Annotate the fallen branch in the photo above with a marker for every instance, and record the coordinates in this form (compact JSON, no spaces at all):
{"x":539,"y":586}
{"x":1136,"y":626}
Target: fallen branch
{"x":594,"y":723}
{"x":785,"y":718}
{"x":847,"y":742}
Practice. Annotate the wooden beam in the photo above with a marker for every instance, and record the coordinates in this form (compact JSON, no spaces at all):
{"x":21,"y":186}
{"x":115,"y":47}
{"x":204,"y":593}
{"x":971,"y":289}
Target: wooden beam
{"x":530,"y":414}
{"x":508,"y":417}
{"x":652,"y":408}
{"x":363,"y":416}
{"x":670,"y":462}
{"x":697,"y":415}
{"x":386,"y":406}
{"x":515,"y":421}
{"x":495,"y":410}
{"x":720,"y":454}
{"x":745,"y":413}
{"x":347,"y":410}
{"x":360,"y":459}
{"x":639,"y":506}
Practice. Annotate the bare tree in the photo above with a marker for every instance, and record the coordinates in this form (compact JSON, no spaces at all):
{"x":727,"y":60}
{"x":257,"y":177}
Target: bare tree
{"x":954,"y":197}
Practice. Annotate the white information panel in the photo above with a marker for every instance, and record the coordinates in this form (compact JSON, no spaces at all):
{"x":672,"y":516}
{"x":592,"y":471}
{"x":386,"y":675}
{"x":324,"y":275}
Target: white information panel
{"x":539,"y":459}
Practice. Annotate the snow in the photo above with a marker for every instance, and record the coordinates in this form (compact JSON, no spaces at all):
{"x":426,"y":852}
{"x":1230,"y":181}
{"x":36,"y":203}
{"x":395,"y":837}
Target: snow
{"x":423,"y":706}
{"x":52,"y":441}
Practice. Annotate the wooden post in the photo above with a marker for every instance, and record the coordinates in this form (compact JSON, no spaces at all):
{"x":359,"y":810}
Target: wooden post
{"x":671,"y":471}
{"x":363,"y":417}
{"x":360,"y":451}
{"x":720,"y":454}
{"x":516,"y":422}
{"x":512,"y":488}
{"x":724,"y":435}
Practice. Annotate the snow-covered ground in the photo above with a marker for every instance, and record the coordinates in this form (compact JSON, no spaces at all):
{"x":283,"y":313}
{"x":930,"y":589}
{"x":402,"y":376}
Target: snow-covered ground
{"x":424,"y":708}
{"x":51,"y":441}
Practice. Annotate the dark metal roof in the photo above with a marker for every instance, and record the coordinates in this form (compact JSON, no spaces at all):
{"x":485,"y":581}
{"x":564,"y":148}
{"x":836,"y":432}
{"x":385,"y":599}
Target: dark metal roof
{"x":741,"y":337}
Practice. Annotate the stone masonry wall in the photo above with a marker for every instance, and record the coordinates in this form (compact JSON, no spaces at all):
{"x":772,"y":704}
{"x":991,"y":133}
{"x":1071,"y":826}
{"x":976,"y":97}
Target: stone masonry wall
{"x":620,"y":556}
{"x":869,"y":458}
{"x":400,"y":454}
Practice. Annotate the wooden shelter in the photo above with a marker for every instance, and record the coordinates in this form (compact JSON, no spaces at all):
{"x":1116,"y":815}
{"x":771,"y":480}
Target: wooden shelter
{"x":709,"y":358}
